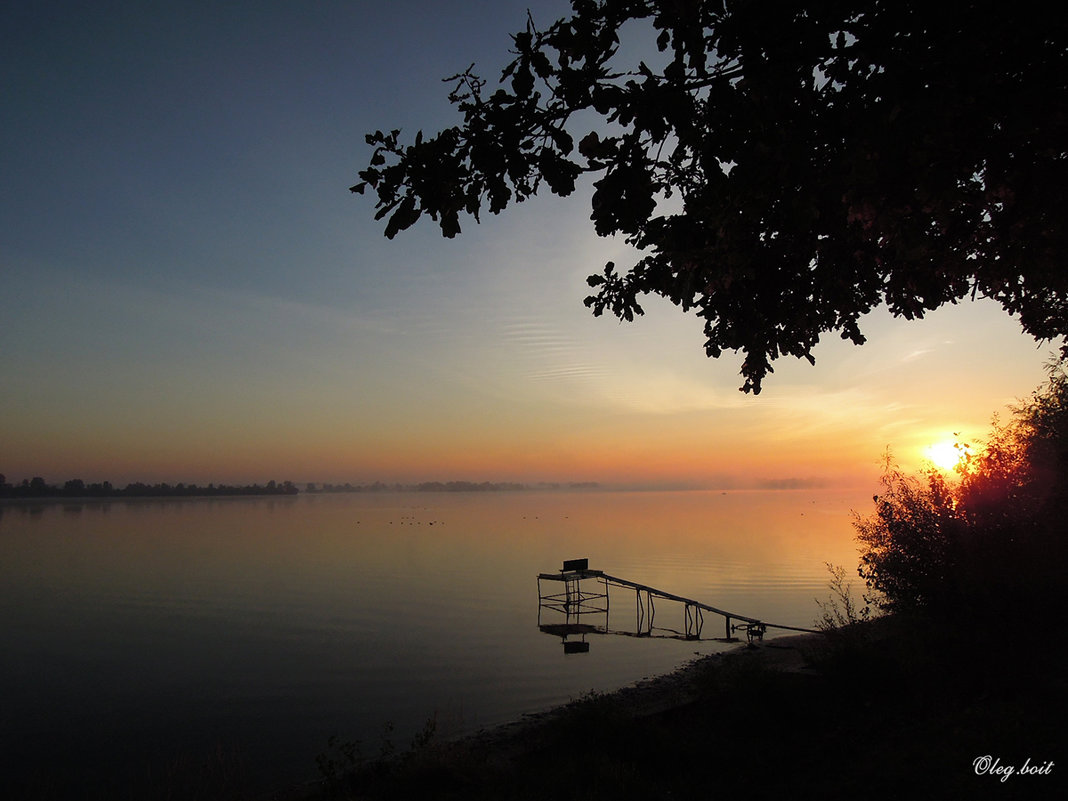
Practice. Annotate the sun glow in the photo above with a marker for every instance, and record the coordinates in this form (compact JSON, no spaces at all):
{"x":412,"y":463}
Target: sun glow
{"x":945,"y":455}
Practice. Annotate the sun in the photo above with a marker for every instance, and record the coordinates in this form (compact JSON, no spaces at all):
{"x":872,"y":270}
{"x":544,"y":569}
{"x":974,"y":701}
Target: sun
{"x":945,"y":454}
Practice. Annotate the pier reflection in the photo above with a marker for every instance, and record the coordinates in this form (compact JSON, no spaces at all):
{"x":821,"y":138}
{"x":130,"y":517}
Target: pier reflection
{"x":578,"y":611}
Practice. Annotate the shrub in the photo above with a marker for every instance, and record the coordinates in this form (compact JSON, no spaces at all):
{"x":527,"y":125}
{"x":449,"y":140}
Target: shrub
{"x":991,"y":544}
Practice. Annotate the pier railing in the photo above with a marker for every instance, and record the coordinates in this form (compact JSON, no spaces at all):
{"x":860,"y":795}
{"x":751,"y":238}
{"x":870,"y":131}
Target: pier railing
{"x":577,"y":601}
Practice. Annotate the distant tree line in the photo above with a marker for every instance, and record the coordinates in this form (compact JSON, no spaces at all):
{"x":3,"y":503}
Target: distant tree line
{"x":37,"y":487}
{"x":447,"y":486}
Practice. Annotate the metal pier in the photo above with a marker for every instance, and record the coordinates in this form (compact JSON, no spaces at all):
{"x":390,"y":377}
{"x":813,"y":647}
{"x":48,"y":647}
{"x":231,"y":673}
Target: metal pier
{"x":576,"y":601}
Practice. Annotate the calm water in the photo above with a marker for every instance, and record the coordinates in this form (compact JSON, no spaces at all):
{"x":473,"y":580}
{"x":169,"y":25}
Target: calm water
{"x":138,"y":631}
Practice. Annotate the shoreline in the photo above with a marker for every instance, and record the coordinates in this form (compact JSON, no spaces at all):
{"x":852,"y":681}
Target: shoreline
{"x":888,"y":708}
{"x":649,"y":697}
{"x":656,"y":694}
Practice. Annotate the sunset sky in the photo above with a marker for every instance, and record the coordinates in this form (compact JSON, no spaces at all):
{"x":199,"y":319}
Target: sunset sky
{"x":190,"y":292}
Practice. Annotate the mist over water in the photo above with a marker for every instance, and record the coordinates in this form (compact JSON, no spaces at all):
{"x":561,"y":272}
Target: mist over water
{"x":138,"y":630}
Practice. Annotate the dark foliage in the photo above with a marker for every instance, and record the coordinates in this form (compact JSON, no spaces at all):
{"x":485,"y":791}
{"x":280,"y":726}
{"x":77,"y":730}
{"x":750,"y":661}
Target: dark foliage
{"x":784,"y":167}
{"x":990,"y":546}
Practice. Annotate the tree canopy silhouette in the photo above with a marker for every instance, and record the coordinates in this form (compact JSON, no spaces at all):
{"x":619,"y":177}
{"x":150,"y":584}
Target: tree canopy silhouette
{"x":783,"y":168}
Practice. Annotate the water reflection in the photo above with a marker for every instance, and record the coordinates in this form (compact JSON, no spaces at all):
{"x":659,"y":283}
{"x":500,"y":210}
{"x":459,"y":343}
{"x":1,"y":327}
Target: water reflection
{"x":573,"y":603}
{"x":565,"y":594}
{"x":139,"y":629}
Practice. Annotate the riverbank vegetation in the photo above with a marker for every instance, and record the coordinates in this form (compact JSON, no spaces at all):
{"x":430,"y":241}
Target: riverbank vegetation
{"x":987,"y":548}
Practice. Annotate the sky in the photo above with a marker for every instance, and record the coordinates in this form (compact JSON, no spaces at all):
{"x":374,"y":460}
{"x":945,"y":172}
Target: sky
{"x":191,"y":293}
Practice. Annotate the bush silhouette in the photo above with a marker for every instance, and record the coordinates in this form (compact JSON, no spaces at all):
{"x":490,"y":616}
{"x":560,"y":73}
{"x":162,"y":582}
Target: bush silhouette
{"x":990,"y":546}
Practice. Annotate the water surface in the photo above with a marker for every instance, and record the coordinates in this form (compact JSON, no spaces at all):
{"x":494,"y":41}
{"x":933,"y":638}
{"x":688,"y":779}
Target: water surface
{"x":136,"y":631}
